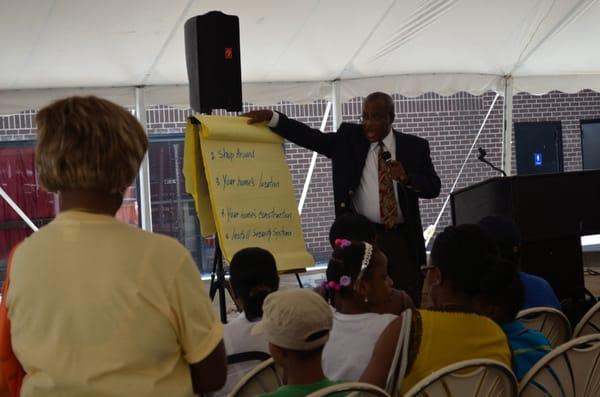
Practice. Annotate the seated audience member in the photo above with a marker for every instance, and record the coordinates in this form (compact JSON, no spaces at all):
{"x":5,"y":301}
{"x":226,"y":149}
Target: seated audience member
{"x":356,"y":227}
{"x":98,"y":307}
{"x":253,"y":276}
{"x":296,"y":323}
{"x":464,"y":273}
{"x":356,"y":275}
{"x":505,"y":233}
{"x":527,"y":345}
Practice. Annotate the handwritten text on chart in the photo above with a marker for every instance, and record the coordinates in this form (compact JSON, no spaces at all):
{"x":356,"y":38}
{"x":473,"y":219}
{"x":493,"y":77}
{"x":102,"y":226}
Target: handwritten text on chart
{"x":226,"y":181}
{"x":231,"y":155}
{"x":268,"y":234}
{"x":229,"y":214}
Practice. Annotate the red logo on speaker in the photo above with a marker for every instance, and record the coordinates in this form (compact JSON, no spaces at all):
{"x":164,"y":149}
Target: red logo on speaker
{"x":228,"y":53}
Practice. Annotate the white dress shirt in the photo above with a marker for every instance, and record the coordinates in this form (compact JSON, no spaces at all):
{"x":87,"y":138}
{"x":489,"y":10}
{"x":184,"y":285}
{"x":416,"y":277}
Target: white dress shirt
{"x":366,"y":197}
{"x":274,"y":120}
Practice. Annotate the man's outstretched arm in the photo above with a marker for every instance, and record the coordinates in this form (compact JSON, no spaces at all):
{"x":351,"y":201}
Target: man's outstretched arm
{"x":295,"y":131}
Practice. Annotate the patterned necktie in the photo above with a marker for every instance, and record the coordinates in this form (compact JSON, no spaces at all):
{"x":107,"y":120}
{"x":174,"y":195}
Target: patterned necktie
{"x":388,"y":209}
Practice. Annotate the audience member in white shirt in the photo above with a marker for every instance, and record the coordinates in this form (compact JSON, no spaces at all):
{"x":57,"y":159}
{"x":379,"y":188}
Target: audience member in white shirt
{"x":253,"y":276}
{"x":356,"y":274}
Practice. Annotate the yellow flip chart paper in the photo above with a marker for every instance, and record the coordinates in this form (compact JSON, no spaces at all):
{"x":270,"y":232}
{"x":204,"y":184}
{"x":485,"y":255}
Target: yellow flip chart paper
{"x":248,"y":188}
{"x":195,"y":179}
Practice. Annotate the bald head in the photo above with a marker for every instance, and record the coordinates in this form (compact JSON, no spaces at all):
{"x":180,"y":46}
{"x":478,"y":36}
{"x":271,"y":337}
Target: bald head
{"x":377,"y":116}
{"x":384,"y":99}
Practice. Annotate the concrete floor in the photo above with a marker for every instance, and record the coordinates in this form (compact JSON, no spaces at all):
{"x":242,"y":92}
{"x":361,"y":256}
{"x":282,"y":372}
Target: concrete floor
{"x":591,"y":266}
{"x":592,"y":280}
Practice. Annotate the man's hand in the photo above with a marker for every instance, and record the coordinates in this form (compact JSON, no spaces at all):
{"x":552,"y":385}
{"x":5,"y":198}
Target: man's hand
{"x":259,"y":116}
{"x":398,"y":172}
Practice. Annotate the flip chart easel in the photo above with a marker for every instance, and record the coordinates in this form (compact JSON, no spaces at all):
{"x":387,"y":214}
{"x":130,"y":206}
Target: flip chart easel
{"x":242,"y":189}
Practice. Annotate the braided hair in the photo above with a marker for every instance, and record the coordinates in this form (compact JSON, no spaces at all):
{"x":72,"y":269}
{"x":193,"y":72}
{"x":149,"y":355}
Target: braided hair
{"x":349,"y":262}
{"x":253,"y":276}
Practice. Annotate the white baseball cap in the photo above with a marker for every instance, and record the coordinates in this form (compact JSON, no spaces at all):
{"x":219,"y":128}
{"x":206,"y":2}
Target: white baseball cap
{"x":296,"y":319}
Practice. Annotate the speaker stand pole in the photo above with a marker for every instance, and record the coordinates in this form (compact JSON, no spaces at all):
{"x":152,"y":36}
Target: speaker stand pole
{"x":299,"y":279}
{"x":218,"y":282}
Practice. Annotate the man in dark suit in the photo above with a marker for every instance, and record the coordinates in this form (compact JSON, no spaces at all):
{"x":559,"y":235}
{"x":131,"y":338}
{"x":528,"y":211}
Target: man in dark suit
{"x":377,"y":172}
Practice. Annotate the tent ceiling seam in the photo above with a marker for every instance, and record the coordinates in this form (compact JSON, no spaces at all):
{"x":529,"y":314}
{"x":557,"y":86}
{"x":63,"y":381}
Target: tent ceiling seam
{"x":291,"y":40}
{"x":564,"y":22}
{"x":366,"y":40}
{"x":520,"y":58}
{"x":163,"y":48}
{"x":420,"y":21}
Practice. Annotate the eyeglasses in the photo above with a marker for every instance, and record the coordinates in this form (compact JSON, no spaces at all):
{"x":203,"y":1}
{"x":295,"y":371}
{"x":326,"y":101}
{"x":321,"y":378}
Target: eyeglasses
{"x":375,"y":117}
{"x":426,"y":268}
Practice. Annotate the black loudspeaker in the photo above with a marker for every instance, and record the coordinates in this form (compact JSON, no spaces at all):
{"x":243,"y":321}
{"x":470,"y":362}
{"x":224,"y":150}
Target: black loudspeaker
{"x":212,"y":54}
{"x":538,"y":147}
{"x":590,"y":144}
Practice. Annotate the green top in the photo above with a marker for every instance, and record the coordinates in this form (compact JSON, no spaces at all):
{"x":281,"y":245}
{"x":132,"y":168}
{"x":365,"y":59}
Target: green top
{"x":301,"y":390}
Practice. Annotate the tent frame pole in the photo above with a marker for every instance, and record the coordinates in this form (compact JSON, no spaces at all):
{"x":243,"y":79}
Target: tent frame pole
{"x":336,"y":95}
{"x":507,"y":126}
{"x":313,"y":162}
{"x":336,"y":105}
{"x":144,"y":174}
{"x":18,"y":210}
{"x":430,"y":231}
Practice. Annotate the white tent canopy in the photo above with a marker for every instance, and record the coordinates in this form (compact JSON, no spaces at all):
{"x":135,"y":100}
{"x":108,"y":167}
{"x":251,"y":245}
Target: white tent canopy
{"x":293,"y":50}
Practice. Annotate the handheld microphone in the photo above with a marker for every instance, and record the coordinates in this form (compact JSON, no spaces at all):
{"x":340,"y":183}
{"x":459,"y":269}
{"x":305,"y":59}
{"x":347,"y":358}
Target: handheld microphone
{"x":387,"y":157}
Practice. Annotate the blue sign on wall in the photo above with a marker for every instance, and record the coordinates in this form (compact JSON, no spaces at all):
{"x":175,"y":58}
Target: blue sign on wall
{"x":537,"y":159}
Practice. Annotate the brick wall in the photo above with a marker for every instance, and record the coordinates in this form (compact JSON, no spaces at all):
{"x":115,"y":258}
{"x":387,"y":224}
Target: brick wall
{"x":569,"y":109}
{"x":449,"y":123}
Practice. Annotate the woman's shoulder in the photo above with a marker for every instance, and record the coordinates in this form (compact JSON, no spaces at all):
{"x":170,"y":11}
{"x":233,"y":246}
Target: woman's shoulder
{"x":397,"y":303}
{"x":401,"y":300}
{"x":470,"y":322}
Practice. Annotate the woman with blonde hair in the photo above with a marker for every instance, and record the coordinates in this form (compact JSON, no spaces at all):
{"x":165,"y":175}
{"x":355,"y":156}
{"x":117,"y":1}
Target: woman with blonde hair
{"x":98,"y":307}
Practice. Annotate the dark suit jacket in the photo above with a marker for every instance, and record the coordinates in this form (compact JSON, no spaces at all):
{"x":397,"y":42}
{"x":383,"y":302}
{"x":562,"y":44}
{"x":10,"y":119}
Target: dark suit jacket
{"x":348,"y":149}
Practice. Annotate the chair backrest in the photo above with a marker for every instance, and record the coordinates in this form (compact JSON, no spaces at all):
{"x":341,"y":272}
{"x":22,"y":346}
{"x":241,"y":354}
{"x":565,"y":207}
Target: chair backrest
{"x":238,"y":365}
{"x":351,"y":389}
{"x":570,"y":370}
{"x":264,"y":378}
{"x":238,"y":358}
{"x":474,"y":378}
{"x":549,"y":321}
{"x":399,"y":362}
{"x":589,"y":323}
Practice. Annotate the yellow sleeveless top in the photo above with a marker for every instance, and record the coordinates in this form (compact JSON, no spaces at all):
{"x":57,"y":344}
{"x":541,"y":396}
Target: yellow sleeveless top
{"x":449,"y":337}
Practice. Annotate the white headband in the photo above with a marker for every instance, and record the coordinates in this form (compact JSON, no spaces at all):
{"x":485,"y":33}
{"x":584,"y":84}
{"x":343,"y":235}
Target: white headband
{"x":366,"y":258}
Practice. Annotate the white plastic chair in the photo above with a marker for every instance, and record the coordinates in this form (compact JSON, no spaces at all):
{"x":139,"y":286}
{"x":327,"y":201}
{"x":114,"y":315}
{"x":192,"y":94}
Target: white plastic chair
{"x":549,"y":321}
{"x":570,"y":370}
{"x":399,"y":363}
{"x":264,"y":378}
{"x":238,"y":365}
{"x":473,"y":378}
{"x":589,"y":323}
{"x":353,"y":389}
